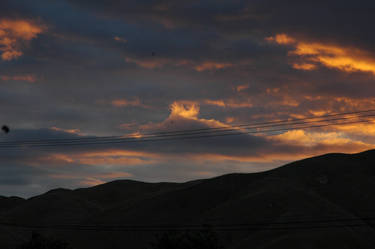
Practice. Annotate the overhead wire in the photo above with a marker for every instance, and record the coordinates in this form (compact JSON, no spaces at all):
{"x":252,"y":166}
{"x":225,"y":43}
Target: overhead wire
{"x":189,"y":135}
{"x":209,"y":129}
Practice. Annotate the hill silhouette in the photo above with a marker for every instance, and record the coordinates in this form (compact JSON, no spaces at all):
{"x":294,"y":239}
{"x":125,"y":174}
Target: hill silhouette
{"x":320,"y":202}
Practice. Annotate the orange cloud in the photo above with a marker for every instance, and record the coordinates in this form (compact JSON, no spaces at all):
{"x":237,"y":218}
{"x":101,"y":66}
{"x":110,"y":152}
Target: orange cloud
{"x":289,"y":101}
{"x":312,"y":138}
{"x":120,"y":39}
{"x":364,"y":129}
{"x":242,"y":87}
{"x":272,"y":90}
{"x":229,"y":119}
{"x":304,"y":66}
{"x":232,"y":103}
{"x":29,"y":78}
{"x":331,"y":104}
{"x":72,"y":131}
{"x":56,"y":159}
{"x":211,"y":65}
{"x":97,"y":179}
{"x":125,"y":102}
{"x":116,"y":157}
{"x":323,"y":142}
{"x":188,"y":110}
{"x":136,"y":134}
{"x":281,"y":39}
{"x":309,"y":143}
{"x":215,"y":102}
{"x":345,"y":59}
{"x":356,"y":103}
{"x":111,"y":157}
{"x":318,"y":113}
{"x":14,"y":34}
{"x":155,"y":63}
{"x":119,"y":161}
{"x":183,"y":115}
{"x":89,"y":181}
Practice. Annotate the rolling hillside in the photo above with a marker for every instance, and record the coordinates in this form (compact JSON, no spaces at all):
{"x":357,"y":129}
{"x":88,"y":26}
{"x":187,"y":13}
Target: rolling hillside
{"x":322,"y":202}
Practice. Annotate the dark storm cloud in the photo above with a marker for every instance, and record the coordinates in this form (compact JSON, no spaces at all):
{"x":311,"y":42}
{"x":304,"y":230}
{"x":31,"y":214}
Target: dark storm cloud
{"x":319,"y":17}
{"x":167,"y":12}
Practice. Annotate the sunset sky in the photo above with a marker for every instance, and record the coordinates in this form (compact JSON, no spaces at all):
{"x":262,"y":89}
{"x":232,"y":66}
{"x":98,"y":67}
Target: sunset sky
{"x":77,"y":68}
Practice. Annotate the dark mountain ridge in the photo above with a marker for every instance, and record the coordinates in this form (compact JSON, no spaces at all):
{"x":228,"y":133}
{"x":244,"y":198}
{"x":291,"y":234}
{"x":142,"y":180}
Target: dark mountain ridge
{"x":332,"y":188}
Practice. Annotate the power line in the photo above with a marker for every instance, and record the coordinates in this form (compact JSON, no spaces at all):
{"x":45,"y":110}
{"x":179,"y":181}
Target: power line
{"x":272,"y":122}
{"x":99,"y":141}
{"x":210,"y":129}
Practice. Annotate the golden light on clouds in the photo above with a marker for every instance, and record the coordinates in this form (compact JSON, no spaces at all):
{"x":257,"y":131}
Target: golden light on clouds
{"x":240,"y":88}
{"x":184,"y":115}
{"x":92,"y":179}
{"x":312,"y":138}
{"x":14,"y":34}
{"x":185,"y":109}
{"x":231,"y":103}
{"x":324,"y":141}
{"x":211,"y":65}
{"x":120,"y":39}
{"x":304,"y":66}
{"x":364,"y":129}
{"x":182,"y":111}
{"x":126,"y":102}
{"x":311,"y":54}
{"x":281,"y":39}
{"x":229,"y":119}
{"x":157,"y":62}
{"x":71,"y":131}
{"x":219,"y":102}
{"x":114,"y":157}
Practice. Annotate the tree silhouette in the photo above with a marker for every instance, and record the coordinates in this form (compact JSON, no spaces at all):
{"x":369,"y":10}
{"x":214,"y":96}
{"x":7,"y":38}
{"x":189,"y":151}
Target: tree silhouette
{"x":206,"y":239}
{"x":38,"y":241}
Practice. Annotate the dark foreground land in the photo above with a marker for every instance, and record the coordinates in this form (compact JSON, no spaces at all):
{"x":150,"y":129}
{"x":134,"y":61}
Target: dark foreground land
{"x":324,"y":202}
